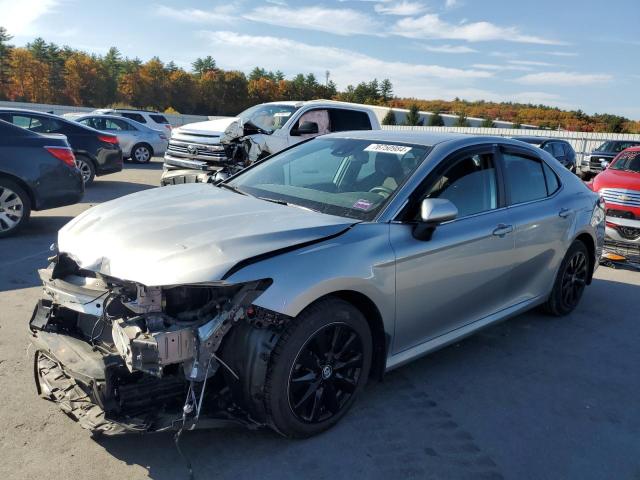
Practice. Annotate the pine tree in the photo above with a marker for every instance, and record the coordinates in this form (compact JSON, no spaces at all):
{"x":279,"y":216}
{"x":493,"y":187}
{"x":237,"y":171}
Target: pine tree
{"x":389,"y":118}
{"x":413,"y":117}
{"x":435,"y":120}
{"x":461,"y":121}
{"x":487,"y":123}
{"x":5,"y":58}
{"x":386,"y":90}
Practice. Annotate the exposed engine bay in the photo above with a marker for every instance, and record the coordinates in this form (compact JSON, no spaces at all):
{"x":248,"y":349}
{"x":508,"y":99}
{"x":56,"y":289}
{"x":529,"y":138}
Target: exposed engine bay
{"x":119,"y":356}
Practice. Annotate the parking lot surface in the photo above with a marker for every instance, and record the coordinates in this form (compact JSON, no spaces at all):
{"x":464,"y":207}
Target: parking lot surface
{"x":532,"y":398}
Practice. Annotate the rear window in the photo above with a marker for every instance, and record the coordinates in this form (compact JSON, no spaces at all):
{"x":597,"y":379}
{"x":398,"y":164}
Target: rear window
{"x":134,"y":116}
{"x":159,"y":118}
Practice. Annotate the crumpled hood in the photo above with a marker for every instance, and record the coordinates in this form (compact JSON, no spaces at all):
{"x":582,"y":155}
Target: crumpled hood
{"x":210,"y":127}
{"x":186,"y":233}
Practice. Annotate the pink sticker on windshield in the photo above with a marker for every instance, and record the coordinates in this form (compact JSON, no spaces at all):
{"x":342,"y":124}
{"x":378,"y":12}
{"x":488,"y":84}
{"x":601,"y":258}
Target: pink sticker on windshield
{"x":362,"y":205}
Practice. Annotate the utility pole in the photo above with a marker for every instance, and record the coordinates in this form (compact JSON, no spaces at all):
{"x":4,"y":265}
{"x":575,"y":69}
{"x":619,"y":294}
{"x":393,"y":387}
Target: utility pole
{"x":326,"y":77}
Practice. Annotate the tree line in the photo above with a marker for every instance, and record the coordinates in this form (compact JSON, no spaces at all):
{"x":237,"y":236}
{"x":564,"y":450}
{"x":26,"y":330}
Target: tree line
{"x":42,"y":72}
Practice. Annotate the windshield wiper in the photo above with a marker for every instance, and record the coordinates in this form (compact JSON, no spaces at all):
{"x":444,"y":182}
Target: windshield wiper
{"x":232,"y":188}
{"x":282,"y":202}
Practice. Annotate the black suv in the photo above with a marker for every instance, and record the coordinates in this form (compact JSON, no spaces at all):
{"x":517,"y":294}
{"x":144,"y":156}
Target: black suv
{"x":592,"y":164}
{"x":37,"y":172}
{"x":560,"y":149}
{"x":97,"y":153}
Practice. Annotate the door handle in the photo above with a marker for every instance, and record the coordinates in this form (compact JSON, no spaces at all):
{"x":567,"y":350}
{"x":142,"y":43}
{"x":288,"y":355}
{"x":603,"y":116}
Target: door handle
{"x":564,"y":212}
{"x":501,"y":230}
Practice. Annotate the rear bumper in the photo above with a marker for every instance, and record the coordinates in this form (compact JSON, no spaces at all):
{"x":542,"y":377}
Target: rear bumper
{"x":63,"y":187}
{"x":109,"y":160}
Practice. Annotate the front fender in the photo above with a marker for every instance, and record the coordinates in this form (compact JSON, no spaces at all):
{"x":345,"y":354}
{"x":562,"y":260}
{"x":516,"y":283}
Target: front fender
{"x":360,"y":260}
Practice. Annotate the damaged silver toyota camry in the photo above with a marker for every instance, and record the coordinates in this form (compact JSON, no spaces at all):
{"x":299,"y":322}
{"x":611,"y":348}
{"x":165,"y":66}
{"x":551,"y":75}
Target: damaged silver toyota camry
{"x":271,"y":298}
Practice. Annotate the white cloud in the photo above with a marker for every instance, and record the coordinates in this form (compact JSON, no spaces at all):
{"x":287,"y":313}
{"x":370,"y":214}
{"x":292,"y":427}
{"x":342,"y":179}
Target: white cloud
{"x":560,"y":54}
{"x":531,"y":63}
{"x":19,"y":17}
{"x":346,"y":66}
{"x":403,"y":8}
{"x":450,"y":3}
{"x":569,"y":79}
{"x":339,"y":21}
{"x":282,"y":3}
{"x":219,"y":14}
{"x":491,"y":66}
{"x":448,"y":49}
{"x":432,"y":26}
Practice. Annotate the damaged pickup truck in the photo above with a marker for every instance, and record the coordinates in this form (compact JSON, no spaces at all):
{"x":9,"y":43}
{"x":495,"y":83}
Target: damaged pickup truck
{"x":271,"y":298}
{"x":215,"y":149}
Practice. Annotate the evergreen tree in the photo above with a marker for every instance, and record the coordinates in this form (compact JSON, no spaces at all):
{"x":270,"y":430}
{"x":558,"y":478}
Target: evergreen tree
{"x":203,"y":65}
{"x":389,"y":118}
{"x":386,"y":90}
{"x":5,"y":58}
{"x":435,"y":120}
{"x":461,"y":121}
{"x":487,"y":123}
{"x":413,"y":117}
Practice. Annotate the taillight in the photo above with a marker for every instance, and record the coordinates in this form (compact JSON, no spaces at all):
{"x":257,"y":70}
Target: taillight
{"x":108,"y":139}
{"x":64,"y":154}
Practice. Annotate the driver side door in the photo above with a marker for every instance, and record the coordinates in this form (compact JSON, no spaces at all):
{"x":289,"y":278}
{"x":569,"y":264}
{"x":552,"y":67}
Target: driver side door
{"x":458,"y":276}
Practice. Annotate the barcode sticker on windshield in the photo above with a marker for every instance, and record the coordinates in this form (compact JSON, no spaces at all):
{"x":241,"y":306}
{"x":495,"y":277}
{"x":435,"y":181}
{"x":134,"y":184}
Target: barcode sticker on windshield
{"x":386,"y":148}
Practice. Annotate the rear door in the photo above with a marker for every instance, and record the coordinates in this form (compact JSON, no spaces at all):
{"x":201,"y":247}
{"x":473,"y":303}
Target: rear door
{"x":542,"y":219}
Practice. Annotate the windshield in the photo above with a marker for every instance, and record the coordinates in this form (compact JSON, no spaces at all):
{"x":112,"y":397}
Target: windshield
{"x":616,"y":147}
{"x":338,"y":176}
{"x":627,"y":161}
{"x":268,"y":117}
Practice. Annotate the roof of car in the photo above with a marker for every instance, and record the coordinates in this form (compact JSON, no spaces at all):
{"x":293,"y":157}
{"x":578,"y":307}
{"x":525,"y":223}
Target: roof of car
{"x":403,"y":136}
{"x":26,"y":110}
{"x":537,"y":140}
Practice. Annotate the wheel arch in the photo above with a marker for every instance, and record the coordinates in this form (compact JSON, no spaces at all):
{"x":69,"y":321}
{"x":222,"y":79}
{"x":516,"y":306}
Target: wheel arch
{"x":372,"y":315}
{"x":590,"y":243}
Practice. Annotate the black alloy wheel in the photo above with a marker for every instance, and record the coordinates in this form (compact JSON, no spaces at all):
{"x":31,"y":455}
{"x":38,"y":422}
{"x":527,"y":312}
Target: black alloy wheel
{"x":574,"y":279}
{"x":325,"y":373}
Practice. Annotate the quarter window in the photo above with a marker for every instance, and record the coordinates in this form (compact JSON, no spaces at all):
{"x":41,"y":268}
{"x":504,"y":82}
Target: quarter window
{"x":134,"y":116}
{"x":470,"y":184}
{"x":553,"y":184}
{"x":525,"y":177}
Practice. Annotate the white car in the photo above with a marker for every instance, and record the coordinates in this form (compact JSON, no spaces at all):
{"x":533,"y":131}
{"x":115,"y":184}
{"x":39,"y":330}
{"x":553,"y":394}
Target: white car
{"x":198,"y":152}
{"x":149,"y":118}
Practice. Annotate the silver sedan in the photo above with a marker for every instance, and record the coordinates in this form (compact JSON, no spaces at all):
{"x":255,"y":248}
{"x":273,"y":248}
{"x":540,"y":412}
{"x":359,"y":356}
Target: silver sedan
{"x":271,"y":299}
{"x":138,"y":142}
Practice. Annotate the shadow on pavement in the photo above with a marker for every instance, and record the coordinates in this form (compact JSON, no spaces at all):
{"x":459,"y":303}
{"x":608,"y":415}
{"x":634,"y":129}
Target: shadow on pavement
{"x":105,"y":190}
{"x":155,"y":164}
{"x":532,"y":397}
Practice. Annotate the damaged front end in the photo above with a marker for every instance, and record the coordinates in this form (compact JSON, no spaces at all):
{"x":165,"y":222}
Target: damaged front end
{"x":119,"y":356}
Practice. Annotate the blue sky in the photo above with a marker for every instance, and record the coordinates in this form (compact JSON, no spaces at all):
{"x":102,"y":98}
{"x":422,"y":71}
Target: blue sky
{"x":569,"y":53}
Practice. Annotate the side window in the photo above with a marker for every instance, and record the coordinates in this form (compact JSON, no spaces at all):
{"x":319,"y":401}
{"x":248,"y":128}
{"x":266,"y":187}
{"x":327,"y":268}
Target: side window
{"x":320,"y":117}
{"x":113,"y":125}
{"x":568,"y":150}
{"x":37,"y":124}
{"x":525,"y":178}
{"x":470,"y":184}
{"x":87,"y":122}
{"x":558,"y":151}
{"x":134,"y":116}
{"x":159,"y":119}
{"x":553,"y":184}
{"x":548,"y":147}
{"x":344,"y":120}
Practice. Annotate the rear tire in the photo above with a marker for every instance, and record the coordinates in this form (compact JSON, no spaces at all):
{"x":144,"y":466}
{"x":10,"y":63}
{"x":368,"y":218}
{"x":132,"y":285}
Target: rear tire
{"x":87,"y":169}
{"x":318,"y":368}
{"x":141,"y":153}
{"x":15,"y":207}
{"x":570,"y":282}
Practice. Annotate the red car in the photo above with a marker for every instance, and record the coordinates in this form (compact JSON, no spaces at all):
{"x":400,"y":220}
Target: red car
{"x":619,"y":186}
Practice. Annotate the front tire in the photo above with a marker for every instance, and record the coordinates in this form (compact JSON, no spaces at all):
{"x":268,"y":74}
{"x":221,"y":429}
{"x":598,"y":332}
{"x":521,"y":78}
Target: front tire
{"x":570,"y":282}
{"x":318,"y":368}
{"x":15,"y":207}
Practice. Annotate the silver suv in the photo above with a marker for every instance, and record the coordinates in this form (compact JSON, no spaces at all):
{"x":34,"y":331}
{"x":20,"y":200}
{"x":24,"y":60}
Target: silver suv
{"x":149,"y":118}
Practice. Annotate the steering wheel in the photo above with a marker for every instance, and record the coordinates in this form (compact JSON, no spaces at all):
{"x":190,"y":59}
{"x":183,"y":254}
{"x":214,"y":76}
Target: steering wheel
{"x":384,"y":191}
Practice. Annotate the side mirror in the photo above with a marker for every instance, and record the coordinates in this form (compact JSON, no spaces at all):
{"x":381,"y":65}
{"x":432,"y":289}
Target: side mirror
{"x":306,"y":128}
{"x":433,"y":212}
